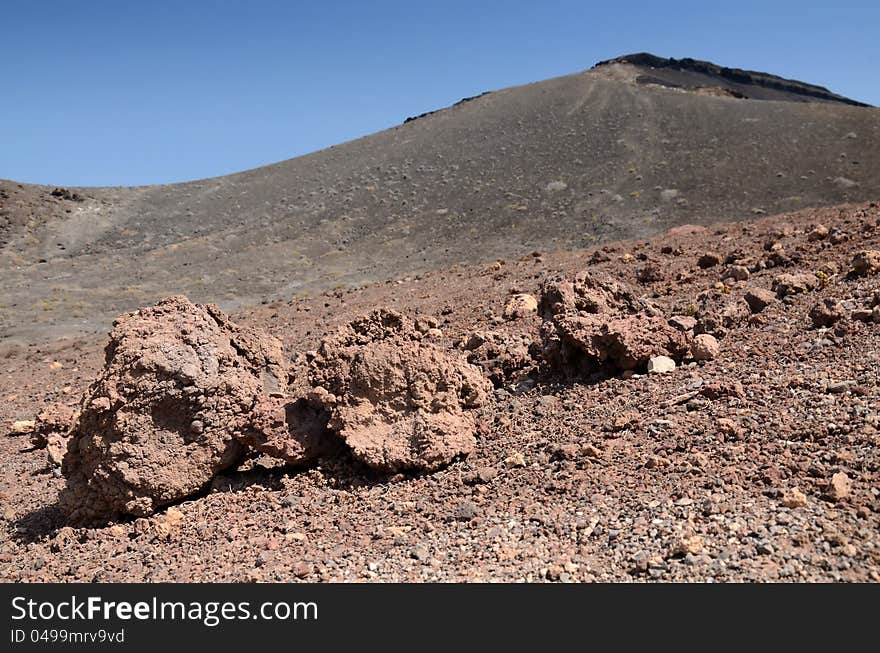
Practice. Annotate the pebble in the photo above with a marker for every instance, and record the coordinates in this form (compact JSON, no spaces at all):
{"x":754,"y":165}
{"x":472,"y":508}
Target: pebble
{"x":465,"y":511}
{"x":839,"y":387}
{"x":302,"y":569}
{"x":708,"y":260}
{"x":660,"y":365}
{"x":516,"y":459}
{"x":705,"y":347}
{"x":839,"y":487}
{"x":520,"y":305}
{"x":758,"y":299}
{"x":737,"y":273}
{"x":683,"y":322}
{"x":765,"y":548}
{"x":420,"y":553}
{"x":22,"y":426}
{"x":793,"y":498}
{"x":692,"y":544}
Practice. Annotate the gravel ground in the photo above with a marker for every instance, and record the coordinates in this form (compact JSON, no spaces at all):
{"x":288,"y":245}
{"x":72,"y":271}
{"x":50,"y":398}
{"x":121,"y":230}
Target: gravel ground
{"x":759,"y":465}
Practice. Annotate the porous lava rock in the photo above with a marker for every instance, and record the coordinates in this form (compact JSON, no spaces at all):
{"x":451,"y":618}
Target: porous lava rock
{"x":400,"y":403}
{"x":595,"y":323}
{"x":52,"y":423}
{"x":503,"y":357}
{"x":161,"y":419}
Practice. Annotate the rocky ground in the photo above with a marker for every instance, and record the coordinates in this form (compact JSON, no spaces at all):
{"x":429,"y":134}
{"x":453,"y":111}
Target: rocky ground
{"x":757,"y":462}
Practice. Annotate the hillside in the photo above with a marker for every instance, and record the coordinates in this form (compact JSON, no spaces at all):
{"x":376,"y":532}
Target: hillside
{"x":623,"y":150}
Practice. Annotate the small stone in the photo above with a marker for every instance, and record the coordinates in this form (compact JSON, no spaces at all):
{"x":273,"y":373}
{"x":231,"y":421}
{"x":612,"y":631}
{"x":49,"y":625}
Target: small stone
{"x":866,"y":262}
{"x":660,"y":365}
{"x":520,"y":305}
{"x":705,"y":347}
{"x":839,"y":487}
{"x":479,"y":476}
{"x":765,"y":549}
{"x":302,"y":569}
{"x":465,"y":511}
{"x":839,"y":387}
{"x":56,"y":447}
{"x":838,"y":236}
{"x":794,"y":284}
{"x":737,"y":273}
{"x":692,"y":544}
{"x":640,"y":563}
{"x":434,"y":332}
{"x":174,"y":516}
{"x":819,"y":232}
{"x":421,"y":553}
{"x":166,"y":525}
{"x":826,"y":313}
{"x":758,"y":299}
{"x":793,"y":498}
{"x":650,"y":273}
{"x":516,"y":459}
{"x":683,"y":322}
{"x":289,"y":501}
{"x":657,"y":462}
{"x":863,"y":315}
{"x":728,"y":427}
{"x":23,"y":426}
{"x":486,"y":473}
{"x":554,"y":572}
{"x":708,"y":260}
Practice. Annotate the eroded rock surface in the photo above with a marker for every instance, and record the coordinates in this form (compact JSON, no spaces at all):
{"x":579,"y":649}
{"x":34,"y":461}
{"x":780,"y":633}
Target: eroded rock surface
{"x":52,"y":424}
{"x":398,"y":402}
{"x":595,"y":323}
{"x":160,"y":420}
{"x":503,"y":357}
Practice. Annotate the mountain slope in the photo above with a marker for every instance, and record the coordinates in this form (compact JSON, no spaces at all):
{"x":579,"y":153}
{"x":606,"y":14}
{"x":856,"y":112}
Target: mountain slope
{"x":563,"y":163}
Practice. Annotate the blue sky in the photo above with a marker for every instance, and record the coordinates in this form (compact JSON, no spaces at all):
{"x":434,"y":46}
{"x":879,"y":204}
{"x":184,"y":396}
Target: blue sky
{"x":126,"y":93}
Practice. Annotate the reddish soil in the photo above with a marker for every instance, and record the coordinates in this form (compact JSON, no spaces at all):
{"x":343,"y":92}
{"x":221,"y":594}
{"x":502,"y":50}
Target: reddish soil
{"x":759,"y":463}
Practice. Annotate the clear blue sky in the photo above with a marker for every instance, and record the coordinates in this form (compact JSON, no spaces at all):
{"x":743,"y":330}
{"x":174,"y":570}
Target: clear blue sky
{"x":127,"y":92}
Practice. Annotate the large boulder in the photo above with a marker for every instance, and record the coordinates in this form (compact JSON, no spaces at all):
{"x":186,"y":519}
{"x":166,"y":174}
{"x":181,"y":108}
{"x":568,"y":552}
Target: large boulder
{"x":594,"y":323}
{"x":163,"y":416}
{"x":400,"y":403}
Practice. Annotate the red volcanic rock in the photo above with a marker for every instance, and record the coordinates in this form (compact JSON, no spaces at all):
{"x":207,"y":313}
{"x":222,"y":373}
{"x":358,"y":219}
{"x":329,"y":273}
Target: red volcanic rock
{"x":160,"y":420}
{"x":594,"y":322}
{"x":398,"y":402}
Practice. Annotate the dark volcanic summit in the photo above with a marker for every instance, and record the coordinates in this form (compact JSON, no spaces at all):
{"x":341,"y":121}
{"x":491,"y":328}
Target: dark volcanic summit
{"x":694,"y":75}
{"x":624,"y":150}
